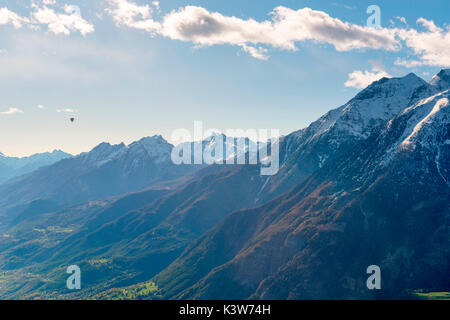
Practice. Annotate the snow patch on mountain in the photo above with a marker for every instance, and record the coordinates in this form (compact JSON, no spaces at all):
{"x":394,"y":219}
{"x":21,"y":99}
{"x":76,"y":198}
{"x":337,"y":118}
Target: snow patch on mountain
{"x":437,"y":104}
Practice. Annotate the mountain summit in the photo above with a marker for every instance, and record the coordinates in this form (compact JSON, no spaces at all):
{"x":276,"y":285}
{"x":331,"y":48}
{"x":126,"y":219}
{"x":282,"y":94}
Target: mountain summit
{"x":441,"y":81}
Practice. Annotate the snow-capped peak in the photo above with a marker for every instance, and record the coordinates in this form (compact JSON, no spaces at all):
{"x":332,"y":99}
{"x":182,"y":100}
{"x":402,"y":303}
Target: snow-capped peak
{"x":441,"y":81}
{"x":103,"y":153}
{"x":388,"y":87}
{"x":155,"y":147}
{"x":149,"y":141}
{"x":379,"y":102}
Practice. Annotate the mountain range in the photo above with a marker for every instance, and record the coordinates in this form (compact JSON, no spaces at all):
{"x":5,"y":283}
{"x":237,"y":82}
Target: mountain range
{"x":11,"y":167}
{"x":366,"y":184}
{"x":106,"y":171}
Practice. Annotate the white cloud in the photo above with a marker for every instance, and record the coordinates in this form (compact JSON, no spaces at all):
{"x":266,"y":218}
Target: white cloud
{"x":286,"y":28}
{"x":9,"y":17}
{"x":401,"y":19}
{"x":68,"y":110}
{"x":63,"y":23}
{"x":283,"y":30}
{"x":429,"y":25}
{"x":40,"y":106}
{"x":432,"y":46}
{"x":11,"y":111}
{"x":257,"y":53}
{"x":361,"y":79}
{"x":129,"y":14}
{"x":57,"y":23}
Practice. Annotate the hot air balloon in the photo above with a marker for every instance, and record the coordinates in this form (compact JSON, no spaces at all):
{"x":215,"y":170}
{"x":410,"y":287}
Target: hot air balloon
{"x":72,"y":119}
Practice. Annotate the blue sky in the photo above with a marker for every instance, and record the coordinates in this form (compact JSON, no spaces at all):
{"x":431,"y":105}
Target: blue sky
{"x":127,"y":69}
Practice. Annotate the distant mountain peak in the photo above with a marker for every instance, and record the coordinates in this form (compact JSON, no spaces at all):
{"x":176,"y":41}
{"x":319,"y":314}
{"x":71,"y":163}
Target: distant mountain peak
{"x":61,"y":153}
{"x":150,"y":142}
{"x":411,"y":80}
{"x":441,"y":81}
{"x":55,"y":153}
{"x":105,"y":148}
{"x":16,"y":166}
{"x":156,"y":139}
{"x":103,"y":153}
{"x":155,"y":147}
